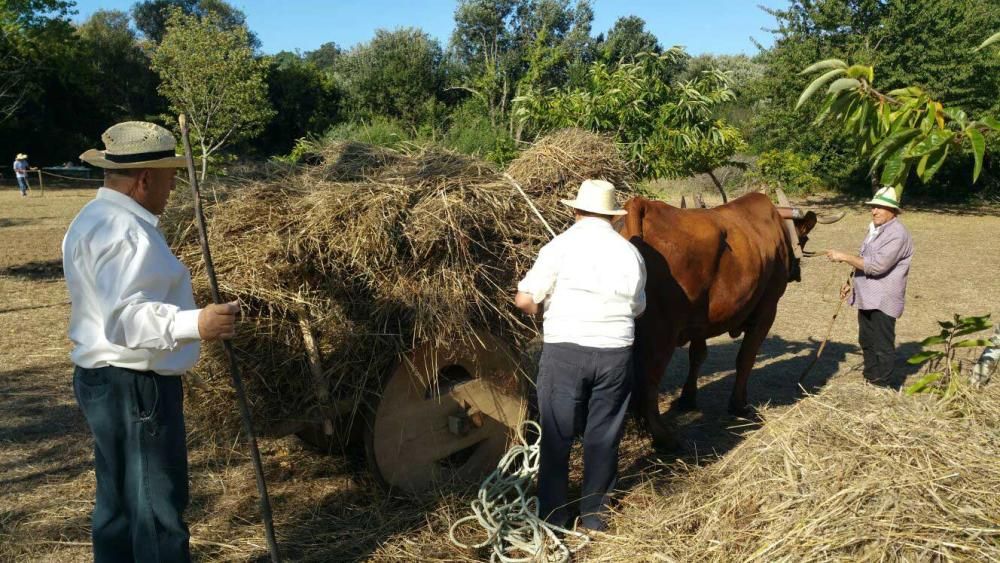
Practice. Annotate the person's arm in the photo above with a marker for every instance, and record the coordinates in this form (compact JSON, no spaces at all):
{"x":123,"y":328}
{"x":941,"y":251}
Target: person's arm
{"x":538,"y":283}
{"x":525,"y":302}
{"x":857,"y":262}
{"x":132,"y":284}
{"x":639,"y":301}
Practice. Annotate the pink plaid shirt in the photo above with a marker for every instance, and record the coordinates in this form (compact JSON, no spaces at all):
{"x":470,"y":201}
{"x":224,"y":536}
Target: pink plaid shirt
{"x":882,"y":283}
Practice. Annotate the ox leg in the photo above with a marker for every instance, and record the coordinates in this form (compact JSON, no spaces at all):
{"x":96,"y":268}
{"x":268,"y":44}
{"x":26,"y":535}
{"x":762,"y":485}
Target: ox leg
{"x":752,"y":339}
{"x":650,"y":369}
{"x":697,"y":352}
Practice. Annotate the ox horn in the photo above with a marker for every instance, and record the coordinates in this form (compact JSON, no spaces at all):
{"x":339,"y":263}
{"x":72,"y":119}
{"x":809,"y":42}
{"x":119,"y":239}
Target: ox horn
{"x":832,"y":218}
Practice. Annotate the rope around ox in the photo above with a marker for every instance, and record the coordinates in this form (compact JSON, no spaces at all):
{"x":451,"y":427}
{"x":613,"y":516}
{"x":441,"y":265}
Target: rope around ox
{"x":509,"y":515}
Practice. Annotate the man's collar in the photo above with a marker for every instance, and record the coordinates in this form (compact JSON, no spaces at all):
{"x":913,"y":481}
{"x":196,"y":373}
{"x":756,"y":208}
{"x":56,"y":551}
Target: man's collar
{"x":593,"y":221}
{"x":128,"y":203}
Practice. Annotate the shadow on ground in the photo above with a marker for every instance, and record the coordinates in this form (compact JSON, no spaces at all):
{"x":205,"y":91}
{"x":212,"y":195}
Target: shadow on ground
{"x":711,"y":432}
{"x":36,"y":270}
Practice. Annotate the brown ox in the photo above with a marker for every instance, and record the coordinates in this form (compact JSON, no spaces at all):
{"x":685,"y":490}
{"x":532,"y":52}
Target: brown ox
{"x":709,"y":272}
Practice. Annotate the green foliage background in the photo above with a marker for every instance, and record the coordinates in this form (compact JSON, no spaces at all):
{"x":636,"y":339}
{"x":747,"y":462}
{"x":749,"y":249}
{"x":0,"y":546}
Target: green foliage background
{"x":64,"y":83}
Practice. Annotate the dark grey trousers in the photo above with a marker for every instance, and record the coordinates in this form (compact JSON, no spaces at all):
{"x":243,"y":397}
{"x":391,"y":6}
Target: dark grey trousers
{"x":877,"y":336}
{"x":584,"y":391}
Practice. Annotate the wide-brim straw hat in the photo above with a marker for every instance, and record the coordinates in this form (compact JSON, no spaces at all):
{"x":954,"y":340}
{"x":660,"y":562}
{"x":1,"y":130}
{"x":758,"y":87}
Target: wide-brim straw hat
{"x":596,"y":196}
{"x":136,"y":144}
{"x":886,"y":196}
{"x":20,"y":156}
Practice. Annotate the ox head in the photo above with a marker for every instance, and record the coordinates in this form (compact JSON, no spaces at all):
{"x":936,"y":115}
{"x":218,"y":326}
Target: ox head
{"x":804,"y":221}
{"x":807,"y":221}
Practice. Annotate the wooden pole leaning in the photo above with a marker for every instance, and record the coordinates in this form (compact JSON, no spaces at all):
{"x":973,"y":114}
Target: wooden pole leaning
{"x":237,"y":380}
{"x":844,"y":289}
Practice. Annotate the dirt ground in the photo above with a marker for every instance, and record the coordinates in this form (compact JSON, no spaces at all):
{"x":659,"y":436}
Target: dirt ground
{"x":328,"y":508}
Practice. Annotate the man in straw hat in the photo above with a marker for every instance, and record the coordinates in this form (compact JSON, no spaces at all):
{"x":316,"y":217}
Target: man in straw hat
{"x":880,"y":272}
{"x":135,"y":329}
{"x":21,"y":168}
{"x":589,"y":282}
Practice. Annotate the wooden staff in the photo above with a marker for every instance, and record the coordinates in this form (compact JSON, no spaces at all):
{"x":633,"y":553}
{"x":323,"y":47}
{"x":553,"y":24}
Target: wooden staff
{"x":829,"y":328}
{"x":234,"y":371}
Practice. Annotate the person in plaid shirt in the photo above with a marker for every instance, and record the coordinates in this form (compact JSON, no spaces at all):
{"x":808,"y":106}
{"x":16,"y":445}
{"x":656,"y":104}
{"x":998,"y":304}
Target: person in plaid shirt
{"x":880,"y":272}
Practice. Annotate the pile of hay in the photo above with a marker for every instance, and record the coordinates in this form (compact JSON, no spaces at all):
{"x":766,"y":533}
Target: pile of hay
{"x":368,"y":252}
{"x":567,"y":157}
{"x":857,"y":473}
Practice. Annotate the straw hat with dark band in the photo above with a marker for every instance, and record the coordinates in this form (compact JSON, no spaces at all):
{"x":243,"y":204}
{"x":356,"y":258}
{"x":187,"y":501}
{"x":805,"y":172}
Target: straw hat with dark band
{"x":136,"y":144}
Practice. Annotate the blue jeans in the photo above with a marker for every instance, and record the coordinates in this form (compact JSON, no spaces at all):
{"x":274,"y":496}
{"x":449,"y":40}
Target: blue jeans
{"x":140,"y":459}
{"x":586,"y":391}
{"x":22,"y":183}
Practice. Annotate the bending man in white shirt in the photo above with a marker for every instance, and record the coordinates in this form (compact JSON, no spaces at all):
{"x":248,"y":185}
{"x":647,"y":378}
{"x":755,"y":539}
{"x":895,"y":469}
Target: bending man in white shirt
{"x":589,"y":282}
{"x":135,"y":330}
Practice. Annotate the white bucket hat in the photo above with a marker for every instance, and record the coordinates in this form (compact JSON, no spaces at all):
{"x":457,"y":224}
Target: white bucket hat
{"x":886,"y":196}
{"x":596,"y":196}
{"x":136,"y":144}
{"x":20,"y":156}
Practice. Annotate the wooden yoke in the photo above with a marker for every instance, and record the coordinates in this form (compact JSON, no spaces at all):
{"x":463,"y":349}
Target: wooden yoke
{"x":789,"y":224}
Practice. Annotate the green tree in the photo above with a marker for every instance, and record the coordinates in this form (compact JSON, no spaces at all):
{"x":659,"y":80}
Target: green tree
{"x":152,"y":16}
{"x":25,"y":27}
{"x":209,"y":73}
{"x":922,"y":44}
{"x":397,"y":74}
{"x":123,"y":84}
{"x":325,"y":57}
{"x":900,"y":131}
{"x":667,"y":130}
{"x":626,"y":39}
{"x":306,"y":101}
{"x":496,"y":43}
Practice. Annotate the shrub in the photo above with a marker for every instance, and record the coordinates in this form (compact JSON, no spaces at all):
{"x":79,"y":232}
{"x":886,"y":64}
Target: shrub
{"x":791,"y":171}
{"x":470,"y":132}
{"x":379,"y":131}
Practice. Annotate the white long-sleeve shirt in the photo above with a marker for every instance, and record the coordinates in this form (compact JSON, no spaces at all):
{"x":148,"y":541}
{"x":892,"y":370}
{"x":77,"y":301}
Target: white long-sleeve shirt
{"x":132,"y":302}
{"x":593,"y":284}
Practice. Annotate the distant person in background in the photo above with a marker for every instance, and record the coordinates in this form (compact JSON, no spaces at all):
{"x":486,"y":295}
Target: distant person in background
{"x":880,"y":273}
{"x":21,"y":171}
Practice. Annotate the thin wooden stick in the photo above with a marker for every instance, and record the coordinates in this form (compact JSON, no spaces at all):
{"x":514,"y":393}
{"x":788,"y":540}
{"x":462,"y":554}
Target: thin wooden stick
{"x":530,"y":203}
{"x":829,"y":328}
{"x":234,"y":370}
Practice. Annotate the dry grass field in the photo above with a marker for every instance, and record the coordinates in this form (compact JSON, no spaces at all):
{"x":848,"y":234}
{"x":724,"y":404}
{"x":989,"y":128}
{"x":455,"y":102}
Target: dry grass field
{"x":328,"y":508}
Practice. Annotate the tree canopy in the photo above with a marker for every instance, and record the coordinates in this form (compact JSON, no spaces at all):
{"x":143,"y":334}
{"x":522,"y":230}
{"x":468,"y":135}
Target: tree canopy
{"x":208,"y":72}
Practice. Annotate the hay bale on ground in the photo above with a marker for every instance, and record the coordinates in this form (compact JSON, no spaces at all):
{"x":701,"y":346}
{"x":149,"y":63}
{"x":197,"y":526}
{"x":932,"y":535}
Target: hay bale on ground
{"x":857,"y":473}
{"x":372,"y":252}
{"x":557,"y":163}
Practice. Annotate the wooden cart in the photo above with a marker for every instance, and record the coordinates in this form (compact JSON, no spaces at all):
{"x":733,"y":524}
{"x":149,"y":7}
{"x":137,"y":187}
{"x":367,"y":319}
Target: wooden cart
{"x":445,"y":413}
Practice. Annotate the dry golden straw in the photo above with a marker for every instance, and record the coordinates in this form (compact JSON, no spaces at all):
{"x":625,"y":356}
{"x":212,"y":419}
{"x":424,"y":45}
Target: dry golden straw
{"x":372,"y":251}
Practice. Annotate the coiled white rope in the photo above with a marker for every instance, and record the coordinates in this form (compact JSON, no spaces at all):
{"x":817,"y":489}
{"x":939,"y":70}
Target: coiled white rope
{"x":510,"y":517}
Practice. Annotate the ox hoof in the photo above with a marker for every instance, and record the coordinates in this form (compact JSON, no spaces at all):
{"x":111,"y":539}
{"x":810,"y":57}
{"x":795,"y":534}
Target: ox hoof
{"x":744,"y":411}
{"x":684,"y":403}
{"x":668,"y":444}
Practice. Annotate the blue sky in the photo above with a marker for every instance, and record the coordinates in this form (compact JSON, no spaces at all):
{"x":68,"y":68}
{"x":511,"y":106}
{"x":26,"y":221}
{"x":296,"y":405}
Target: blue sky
{"x":703,"y":26}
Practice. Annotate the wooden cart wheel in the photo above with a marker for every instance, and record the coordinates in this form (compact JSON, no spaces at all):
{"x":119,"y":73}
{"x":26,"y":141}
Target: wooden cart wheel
{"x":446,"y":414}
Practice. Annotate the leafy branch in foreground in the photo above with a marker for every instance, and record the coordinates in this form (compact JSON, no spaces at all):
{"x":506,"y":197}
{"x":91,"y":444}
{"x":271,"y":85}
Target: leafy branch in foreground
{"x":900,"y":131}
{"x":941,"y":366}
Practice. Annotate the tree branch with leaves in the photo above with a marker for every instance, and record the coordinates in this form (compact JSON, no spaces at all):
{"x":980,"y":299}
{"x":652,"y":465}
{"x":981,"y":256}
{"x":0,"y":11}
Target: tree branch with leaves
{"x":901,"y":131}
